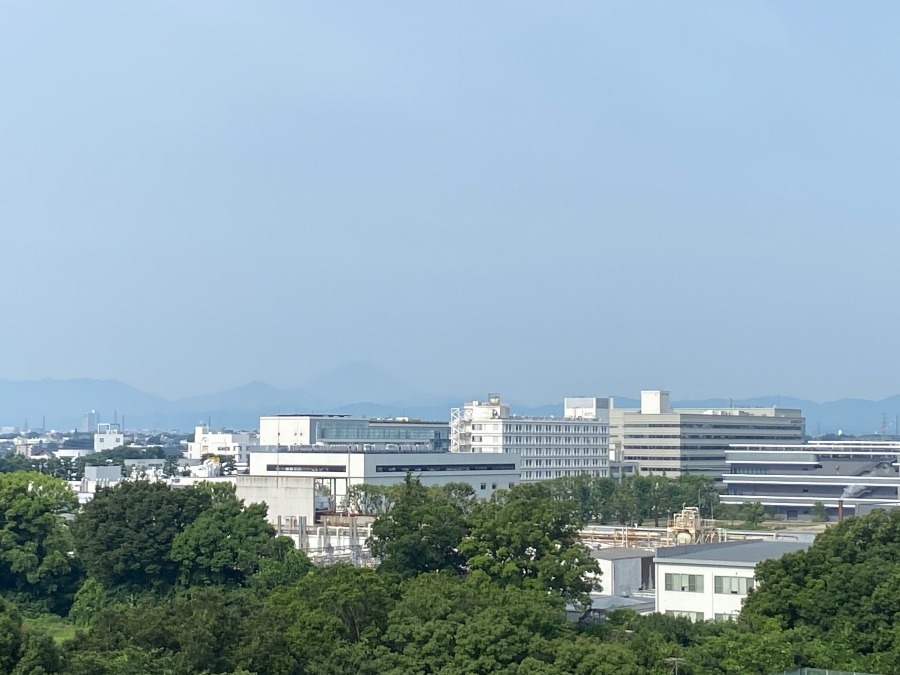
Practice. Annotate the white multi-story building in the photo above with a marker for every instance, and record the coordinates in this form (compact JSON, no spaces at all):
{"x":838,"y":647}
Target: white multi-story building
{"x":661,"y":439}
{"x":223,"y":443}
{"x":549,"y":447}
{"x":108,"y":437}
{"x":710,"y":581}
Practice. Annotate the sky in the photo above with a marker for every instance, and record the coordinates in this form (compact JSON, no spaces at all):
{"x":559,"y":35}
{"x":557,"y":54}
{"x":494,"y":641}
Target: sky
{"x":541,"y":199}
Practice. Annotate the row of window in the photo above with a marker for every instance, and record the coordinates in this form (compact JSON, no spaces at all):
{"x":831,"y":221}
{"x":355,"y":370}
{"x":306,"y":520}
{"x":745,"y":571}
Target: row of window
{"x":700,"y":616}
{"x":676,"y":458}
{"x":564,"y":462}
{"x":545,"y":428}
{"x":759,"y":426}
{"x":535,"y":475}
{"x":557,"y":452}
{"x":693,"y":583}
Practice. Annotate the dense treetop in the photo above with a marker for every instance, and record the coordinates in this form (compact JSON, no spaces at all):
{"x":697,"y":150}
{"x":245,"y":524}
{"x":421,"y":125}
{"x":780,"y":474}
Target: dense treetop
{"x":171,"y":582}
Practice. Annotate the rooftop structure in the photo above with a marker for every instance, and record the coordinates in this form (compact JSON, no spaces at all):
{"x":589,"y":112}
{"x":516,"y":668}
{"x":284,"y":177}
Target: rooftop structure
{"x":326,"y":430}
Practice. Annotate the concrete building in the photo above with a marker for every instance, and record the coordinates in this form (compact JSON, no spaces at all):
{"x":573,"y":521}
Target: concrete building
{"x":223,"y":443}
{"x":661,"y":439}
{"x":108,"y":437}
{"x":847,"y":477}
{"x":339,"y":467}
{"x":550,"y":447}
{"x":710,"y":581}
{"x":288,"y":431}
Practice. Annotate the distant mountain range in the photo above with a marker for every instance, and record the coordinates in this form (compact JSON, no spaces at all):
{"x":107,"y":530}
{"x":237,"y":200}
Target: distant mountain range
{"x":355,"y":389}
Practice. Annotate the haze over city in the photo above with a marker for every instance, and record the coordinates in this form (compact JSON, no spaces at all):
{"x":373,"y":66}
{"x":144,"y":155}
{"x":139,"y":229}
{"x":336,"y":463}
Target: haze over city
{"x":539,"y":199}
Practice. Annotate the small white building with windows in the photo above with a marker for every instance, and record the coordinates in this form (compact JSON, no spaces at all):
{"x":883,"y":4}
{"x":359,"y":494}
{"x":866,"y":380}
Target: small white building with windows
{"x":108,"y":437}
{"x":708,"y":582}
{"x":223,"y":443}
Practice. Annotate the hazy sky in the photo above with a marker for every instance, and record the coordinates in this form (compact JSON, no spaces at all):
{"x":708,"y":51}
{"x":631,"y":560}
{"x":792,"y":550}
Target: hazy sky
{"x":533,"y":198}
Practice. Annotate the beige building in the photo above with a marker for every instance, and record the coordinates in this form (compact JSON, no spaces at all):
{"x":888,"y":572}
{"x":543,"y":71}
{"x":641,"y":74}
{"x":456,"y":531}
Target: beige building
{"x":662,"y":439}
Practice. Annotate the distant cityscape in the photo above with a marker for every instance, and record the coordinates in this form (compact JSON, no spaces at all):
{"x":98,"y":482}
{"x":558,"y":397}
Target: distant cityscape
{"x":754,"y":454}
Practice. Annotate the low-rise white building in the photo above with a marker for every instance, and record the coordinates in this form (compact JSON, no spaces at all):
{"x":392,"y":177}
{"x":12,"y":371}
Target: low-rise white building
{"x":223,"y":443}
{"x":338,"y":468}
{"x":550,"y":447}
{"x":707,"y":582}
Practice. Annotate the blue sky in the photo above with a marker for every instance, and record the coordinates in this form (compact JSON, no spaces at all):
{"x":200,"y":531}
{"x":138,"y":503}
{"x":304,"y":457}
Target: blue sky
{"x":534,"y":198}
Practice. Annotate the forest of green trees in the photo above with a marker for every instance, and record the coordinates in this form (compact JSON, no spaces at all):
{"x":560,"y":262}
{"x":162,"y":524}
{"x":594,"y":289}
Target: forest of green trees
{"x":149,"y":580}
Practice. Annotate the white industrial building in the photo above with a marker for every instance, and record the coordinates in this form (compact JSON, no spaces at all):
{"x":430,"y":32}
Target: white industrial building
{"x":846,"y":477}
{"x":288,"y":431}
{"x":661,"y":439}
{"x":549,"y":447}
{"x":338,"y":467}
{"x":223,"y":443}
{"x":108,"y":437}
{"x":708,"y":582}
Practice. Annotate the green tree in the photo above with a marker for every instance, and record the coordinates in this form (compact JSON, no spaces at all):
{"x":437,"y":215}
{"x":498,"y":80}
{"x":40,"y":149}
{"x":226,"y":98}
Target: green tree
{"x":421,"y":532}
{"x":449,"y":624}
{"x":753,"y":514}
{"x":284,"y":566}
{"x":523,"y":537}
{"x":36,"y":547}
{"x":372,"y":500}
{"x":819,"y":512}
{"x":125,"y":533}
{"x":845,"y":589}
{"x":226,"y":544}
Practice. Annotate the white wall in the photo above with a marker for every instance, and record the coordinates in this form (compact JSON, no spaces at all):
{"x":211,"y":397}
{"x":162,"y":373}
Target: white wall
{"x":621,"y":576}
{"x":340,"y":469}
{"x":709,"y":603}
{"x":277,"y":430}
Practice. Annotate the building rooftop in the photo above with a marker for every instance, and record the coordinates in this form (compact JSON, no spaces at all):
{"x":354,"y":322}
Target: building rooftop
{"x":619,"y":553}
{"x":746,"y":553}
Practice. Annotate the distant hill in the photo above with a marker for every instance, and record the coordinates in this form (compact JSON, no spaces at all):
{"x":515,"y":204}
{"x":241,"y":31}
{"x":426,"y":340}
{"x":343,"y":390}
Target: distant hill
{"x":353,"y":389}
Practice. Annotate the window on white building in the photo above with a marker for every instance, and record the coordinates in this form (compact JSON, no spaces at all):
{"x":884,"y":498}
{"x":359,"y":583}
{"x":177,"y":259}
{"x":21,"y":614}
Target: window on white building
{"x":693,"y":616}
{"x":733,"y":585}
{"x":691,"y":583}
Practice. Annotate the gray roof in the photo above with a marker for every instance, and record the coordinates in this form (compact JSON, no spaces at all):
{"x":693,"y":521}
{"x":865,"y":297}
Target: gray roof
{"x":747,"y":553}
{"x":619,"y":553}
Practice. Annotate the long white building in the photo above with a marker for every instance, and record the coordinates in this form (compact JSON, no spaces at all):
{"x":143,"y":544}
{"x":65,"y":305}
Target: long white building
{"x":288,"y":431}
{"x":339,"y":467}
{"x":549,"y":447}
{"x":661,"y":439}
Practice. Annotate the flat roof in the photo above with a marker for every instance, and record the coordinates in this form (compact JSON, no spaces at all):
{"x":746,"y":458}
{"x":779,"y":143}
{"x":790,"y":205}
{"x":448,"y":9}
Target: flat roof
{"x":746,"y":553}
{"x":620,"y":553}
